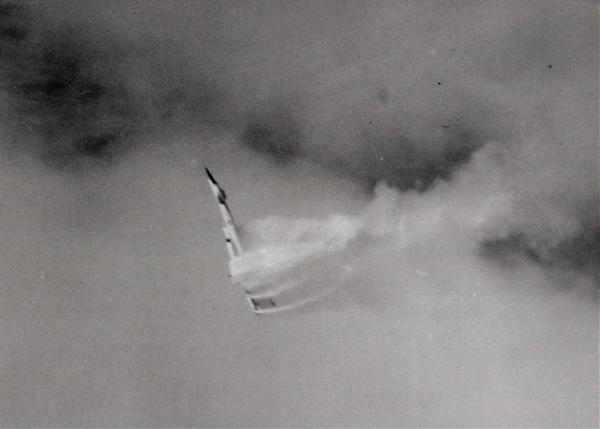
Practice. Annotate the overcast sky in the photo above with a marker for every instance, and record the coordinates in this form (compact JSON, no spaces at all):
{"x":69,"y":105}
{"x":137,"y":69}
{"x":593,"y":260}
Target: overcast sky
{"x":451,"y":147}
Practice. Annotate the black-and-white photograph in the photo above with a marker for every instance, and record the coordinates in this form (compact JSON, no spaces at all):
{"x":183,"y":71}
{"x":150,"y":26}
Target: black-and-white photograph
{"x":299,"y":213}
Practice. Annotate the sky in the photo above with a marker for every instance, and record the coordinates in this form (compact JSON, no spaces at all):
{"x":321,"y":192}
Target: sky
{"x":440,"y":156}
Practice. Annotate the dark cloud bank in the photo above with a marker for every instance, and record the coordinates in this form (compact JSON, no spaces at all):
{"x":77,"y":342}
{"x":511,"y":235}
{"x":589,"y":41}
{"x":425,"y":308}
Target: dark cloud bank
{"x":84,"y":93}
{"x":366,"y":93}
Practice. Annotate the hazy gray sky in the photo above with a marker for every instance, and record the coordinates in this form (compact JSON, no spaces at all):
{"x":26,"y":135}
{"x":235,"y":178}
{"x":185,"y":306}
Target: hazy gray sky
{"x":457,"y":140}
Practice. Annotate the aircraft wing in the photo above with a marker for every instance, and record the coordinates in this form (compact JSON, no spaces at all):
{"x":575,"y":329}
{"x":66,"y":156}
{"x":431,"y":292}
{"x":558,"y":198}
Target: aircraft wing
{"x":230,"y":230}
{"x":260,"y":274}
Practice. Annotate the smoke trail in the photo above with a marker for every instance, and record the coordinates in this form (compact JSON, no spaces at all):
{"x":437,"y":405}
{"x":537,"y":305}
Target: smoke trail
{"x":294,"y":260}
{"x":482,"y":205}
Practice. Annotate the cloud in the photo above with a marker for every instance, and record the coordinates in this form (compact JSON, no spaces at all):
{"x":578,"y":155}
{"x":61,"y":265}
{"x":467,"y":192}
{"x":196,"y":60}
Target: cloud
{"x":363,"y":93}
{"x":514,"y":92}
{"x":79,"y":92}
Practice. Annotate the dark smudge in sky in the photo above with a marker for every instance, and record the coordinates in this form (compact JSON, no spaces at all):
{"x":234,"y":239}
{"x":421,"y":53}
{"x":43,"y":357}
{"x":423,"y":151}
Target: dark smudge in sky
{"x":275,"y":134}
{"x":83,"y":94}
